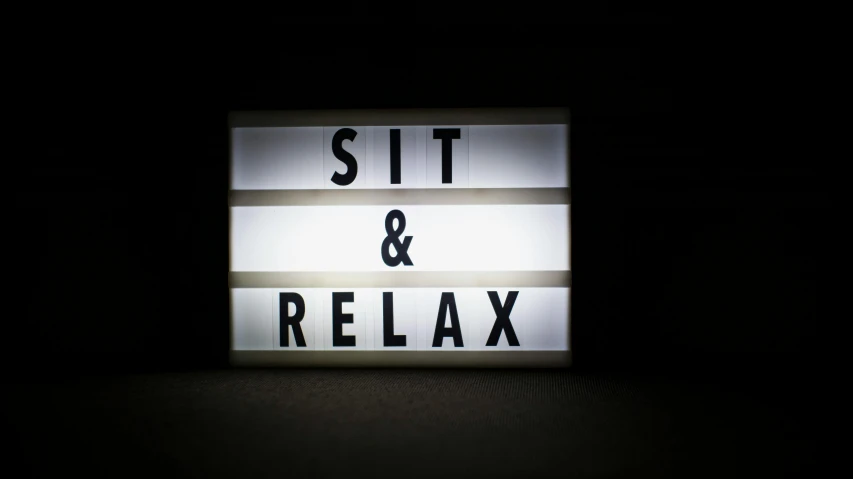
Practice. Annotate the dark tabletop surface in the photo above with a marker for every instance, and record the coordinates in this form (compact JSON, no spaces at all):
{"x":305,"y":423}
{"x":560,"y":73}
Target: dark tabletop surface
{"x":408,"y":423}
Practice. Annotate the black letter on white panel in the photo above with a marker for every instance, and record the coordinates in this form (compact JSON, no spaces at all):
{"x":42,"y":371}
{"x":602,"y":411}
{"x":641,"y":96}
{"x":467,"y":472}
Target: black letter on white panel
{"x":447,"y":135}
{"x":339,"y":318}
{"x":395,"y":156}
{"x":448,"y":300}
{"x":502,"y":319}
{"x":344,"y":156}
{"x":286,"y":321}
{"x":390,"y":339}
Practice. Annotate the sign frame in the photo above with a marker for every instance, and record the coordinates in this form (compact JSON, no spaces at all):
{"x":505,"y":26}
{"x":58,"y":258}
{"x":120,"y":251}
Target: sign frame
{"x":402,"y":117}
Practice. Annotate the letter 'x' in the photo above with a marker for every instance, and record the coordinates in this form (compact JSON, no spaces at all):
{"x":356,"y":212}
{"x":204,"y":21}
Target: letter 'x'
{"x":502,"y":319}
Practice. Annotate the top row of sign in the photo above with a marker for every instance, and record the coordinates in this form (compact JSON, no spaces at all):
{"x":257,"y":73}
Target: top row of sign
{"x":380,"y":157}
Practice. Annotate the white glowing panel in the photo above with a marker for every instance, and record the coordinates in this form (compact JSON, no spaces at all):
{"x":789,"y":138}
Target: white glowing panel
{"x":251,"y":319}
{"x":447,"y":157}
{"x":518,"y":156}
{"x":297,"y":305}
{"x":345,"y":157}
{"x":444,"y":238}
{"x":277,"y":158}
{"x":422,"y":319}
{"x":395,"y":319}
{"x":395,"y":158}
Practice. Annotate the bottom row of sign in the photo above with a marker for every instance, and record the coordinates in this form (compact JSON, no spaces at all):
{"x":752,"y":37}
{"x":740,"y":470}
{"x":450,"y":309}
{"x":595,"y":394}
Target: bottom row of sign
{"x":400,"y":319}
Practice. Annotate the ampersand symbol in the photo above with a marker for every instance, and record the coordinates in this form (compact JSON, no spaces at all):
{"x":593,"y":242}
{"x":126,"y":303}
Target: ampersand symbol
{"x":393,"y":238}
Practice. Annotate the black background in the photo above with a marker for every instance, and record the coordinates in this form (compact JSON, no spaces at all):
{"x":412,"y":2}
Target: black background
{"x":689,"y":241}
{"x":693,"y":224}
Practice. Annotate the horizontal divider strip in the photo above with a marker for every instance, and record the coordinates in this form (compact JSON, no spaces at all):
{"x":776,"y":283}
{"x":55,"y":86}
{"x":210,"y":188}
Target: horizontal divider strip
{"x":400,"y":117}
{"x":436,"y":196}
{"x":402,"y":358}
{"x":400,"y":279}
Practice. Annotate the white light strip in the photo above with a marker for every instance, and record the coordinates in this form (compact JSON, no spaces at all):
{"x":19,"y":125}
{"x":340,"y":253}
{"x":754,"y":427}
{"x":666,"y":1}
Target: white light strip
{"x":462,"y":196}
{"x":399,"y":279}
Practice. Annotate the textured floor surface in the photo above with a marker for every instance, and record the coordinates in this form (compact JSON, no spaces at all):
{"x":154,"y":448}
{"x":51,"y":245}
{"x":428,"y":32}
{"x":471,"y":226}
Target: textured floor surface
{"x":403,"y":423}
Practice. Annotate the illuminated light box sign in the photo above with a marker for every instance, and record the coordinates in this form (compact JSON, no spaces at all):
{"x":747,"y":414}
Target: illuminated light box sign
{"x":400,"y":238}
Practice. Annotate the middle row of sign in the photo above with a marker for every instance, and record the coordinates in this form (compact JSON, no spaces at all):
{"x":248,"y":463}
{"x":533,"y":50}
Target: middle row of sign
{"x":406,"y":237}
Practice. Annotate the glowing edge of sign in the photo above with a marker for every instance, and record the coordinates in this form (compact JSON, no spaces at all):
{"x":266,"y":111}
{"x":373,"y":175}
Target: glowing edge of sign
{"x":444,"y":359}
{"x":399,"y":117}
